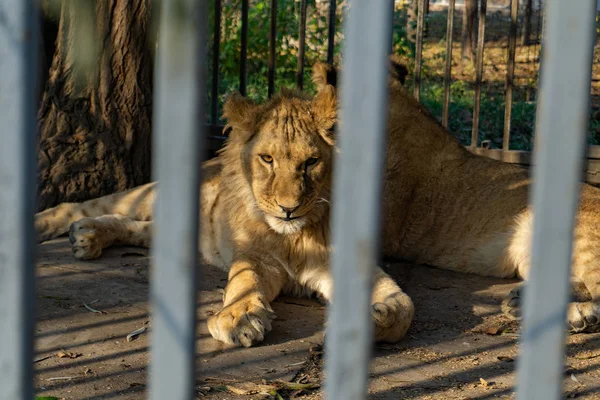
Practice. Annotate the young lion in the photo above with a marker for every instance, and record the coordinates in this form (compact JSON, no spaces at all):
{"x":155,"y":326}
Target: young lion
{"x":264,"y":217}
{"x":265,"y":209}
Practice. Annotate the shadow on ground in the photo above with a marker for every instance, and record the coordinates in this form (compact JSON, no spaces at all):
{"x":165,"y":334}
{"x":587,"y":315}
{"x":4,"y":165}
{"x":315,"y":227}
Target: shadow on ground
{"x":459,"y":346}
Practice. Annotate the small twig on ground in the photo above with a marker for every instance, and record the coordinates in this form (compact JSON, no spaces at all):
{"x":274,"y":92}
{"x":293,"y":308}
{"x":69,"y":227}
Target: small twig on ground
{"x":295,"y":364}
{"x":62,"y":378}
{"x":37,"y":360}
{"x":212,"y":378}
{"x":93,"y":309}
{"x":133,"y":335}
{"x":587,"y":357}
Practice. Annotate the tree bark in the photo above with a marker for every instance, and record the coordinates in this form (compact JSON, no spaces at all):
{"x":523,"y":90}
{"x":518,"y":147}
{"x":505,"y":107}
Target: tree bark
{"x":95,"y":132}
{"x":468,"y":29}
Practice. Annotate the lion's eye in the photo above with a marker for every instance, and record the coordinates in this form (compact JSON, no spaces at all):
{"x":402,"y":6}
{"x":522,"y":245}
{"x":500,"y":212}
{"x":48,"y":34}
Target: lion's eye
{"x":266,"y":158}
{"x":311,"y":161}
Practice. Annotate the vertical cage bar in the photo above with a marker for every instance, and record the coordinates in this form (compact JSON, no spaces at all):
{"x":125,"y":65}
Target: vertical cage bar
{"x":527,"y":16}
{"x":478,"y":72}
{"x":448,"y":70}
{"x":244,"y":48}
{"x":561,"y":130}
{"x":510,"y":72}
{"x":419,"y":47}
{"x":331,"y":31}
{"x":18,"y":76}
{"x":541,"y":31}
{"x":540,"y":22}
{"x":272,"y":43}
{"x":179,"y":140}
{"x":357,"y":182}
{"x":301,"y":45}
{"x":214,"y":109}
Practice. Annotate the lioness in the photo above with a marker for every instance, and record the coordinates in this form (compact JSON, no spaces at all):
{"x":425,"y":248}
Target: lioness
{"x":266,"y":202}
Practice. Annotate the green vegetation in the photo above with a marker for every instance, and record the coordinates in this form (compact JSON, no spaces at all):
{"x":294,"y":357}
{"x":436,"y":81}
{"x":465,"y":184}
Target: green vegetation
{"x":491,"y":125}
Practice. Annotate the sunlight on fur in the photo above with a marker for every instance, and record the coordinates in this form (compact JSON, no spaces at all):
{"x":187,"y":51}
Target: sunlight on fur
{"x":266,"y":201}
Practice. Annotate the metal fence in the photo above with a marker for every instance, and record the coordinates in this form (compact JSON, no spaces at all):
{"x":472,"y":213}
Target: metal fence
{"x":505,"y":153}
{"x":562,"y":119}
{"x":516,"y":12}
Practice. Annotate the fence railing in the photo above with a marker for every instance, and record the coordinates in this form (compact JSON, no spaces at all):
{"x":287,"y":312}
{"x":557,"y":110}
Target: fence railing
{"x":179,"y":141}
{"x":565,"y":88}
{"x":477,"y":145}
{"x":357,"y":184}
{"x":561,"y":136}
{"x":18,"y":64}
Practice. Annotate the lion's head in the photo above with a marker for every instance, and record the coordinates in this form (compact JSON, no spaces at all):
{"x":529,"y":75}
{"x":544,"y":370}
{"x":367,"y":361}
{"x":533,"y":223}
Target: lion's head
{"x":279,"y":156}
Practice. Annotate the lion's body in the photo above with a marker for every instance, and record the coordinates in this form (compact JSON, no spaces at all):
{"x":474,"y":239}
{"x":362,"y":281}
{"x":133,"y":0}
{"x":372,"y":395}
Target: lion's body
{"x":442,"y":206}
{"x":446,"y":207}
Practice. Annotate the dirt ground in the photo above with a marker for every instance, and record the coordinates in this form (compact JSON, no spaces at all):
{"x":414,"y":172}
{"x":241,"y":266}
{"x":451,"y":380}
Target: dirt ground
{"x":459,"y":346}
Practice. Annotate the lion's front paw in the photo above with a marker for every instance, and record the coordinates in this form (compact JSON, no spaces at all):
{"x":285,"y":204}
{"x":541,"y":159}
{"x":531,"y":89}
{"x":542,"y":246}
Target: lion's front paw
{"x":242,"y":323}
{"x":86,"y":241}
{"x":392,"y":317}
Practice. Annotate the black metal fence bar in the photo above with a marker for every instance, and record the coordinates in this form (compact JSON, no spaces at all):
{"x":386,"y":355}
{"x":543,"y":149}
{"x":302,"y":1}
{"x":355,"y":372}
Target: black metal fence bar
{"x":562,"y":119}
{"x":178,"y":143}
{"x":214,"y":109}
{"x":244,"y":48}
{"x":19,"y":58}
{"x":526,"y":33}
{"x":448,"y":69}
{"x":331,"y":31}
{"x":510,"y":72}
{"x":478,"y":72}
{"x":357,"y":183}
{"x":301,"y":45}
{"x":272,"y":49}
{"x":539,"y":29}
{"x":419,"y":47}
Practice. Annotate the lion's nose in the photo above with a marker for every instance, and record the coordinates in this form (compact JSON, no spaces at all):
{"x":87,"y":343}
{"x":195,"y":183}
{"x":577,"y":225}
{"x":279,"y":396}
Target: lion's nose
{"x":288,"y":210}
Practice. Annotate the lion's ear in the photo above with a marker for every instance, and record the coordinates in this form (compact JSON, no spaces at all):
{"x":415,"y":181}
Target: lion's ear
{"x":324,"y":110}
{"x":239,"y":112}
{"x":323,"y":75}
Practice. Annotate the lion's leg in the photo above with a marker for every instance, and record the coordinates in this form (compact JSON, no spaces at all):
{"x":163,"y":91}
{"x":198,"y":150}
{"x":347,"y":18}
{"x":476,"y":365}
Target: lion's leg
{"x":247,"y":314}
{"x":583,"y":314}
{"x":135,"y":203}
{"x":391,"y":308}
{"x":55,"y":221}
{"x":89,"y":236}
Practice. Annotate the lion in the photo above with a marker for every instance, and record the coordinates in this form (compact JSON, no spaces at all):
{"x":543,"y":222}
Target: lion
{"x":265,"y":206}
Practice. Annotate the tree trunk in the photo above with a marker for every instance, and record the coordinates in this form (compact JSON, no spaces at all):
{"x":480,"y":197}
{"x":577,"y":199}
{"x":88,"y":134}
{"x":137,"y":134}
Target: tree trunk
{"x":527,"y":22}
{"x":95,"y":132}
{"x":468,"y":29}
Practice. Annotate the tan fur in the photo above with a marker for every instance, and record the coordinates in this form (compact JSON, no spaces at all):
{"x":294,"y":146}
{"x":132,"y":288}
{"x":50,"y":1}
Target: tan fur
{"x":447,"y":207}
{"x":279,"y":154}
{"x":442,"y":206}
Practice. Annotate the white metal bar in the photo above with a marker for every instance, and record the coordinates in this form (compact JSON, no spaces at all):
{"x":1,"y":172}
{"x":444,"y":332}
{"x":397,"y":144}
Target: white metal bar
{"x":356,"y":196}
{"x":559,"y":150}
{"x":18,"y":67}
{"x":178,"y":142}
